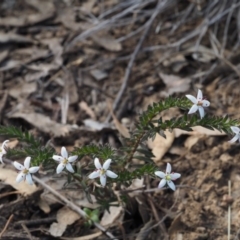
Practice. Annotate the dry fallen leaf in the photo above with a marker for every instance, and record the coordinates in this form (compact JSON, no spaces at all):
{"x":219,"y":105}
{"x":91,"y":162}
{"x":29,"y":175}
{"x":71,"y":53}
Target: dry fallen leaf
{"x":65,"y":217}
{"x":43,"y":205}
{"x":198,"y":130}
{"x":43,"y":123}
{"x":107,"y":41}
{"x":95,"y":125}
{"x":175,"y":84}
{"x":8,"y":176}
{"x":13,"y":38}
{"x":135,"y":185}
{"x":22,"y":89}
{"x":160,"y":145}
{"x":192,"y":140}
{"x":115,"y":213}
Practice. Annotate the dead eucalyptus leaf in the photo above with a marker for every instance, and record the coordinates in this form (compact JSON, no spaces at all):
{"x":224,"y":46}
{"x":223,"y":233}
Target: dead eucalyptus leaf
{"x":111,"y":216}
{"x":44,"y":123}
{"x":175,"y":84}
{"x":13,"y":37}
{"x":160,"y":145}
{"x":107,"y":41}
{"x":9,"y":176}
{"x":65,"y":217}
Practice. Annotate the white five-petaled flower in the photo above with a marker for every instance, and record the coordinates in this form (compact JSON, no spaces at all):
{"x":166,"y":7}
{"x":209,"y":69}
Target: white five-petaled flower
{"x":168,"y":177}
{"x":198,"y":103}
{"x":64,"y":161}
{"x":236,"y":130}
{"x":3,"y":150}
{"x":102,"y":171}
{"x":25,"y":171}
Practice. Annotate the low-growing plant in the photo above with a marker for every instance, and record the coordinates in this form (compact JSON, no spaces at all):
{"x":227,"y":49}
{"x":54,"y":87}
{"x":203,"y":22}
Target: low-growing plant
{"x":114,"y":167}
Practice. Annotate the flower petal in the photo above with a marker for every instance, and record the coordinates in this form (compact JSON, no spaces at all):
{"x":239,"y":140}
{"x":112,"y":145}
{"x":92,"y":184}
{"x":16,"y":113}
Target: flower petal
{"x":162,"y":183}
{"x":168,"y":168}
{"x":60,"y":167}
{"x":175,"y":176}
{"x":111,"y":174}
{"x":205,"y":103}
{"x":33,"y":169}
{"x":94,"y":174}
{"x":171,"y":185}
{"x":58,"y":158}
{"x":3,"y":151}
{"x":199,"y":95}
{"x":160,"y":174}
{"x":64,"y":152}
{"x":235,"y":130}
{"x":97,"y":163}
{"x":27,"y":162}
{"x":201,"y":111}
{"x":4,"y":143}
{"x":18,"y":165}
{"x":103,"y":180}
{"x":3,"y":146}
{"x":69,"y":167}
{"x":29,"y":179}
{"x":72,"y":158}
{"x":193,"y":109}
{"x":106,"y":164}
{"x":192,"y":99}
{"x":234,"y":139}
{"x":20,"y":177}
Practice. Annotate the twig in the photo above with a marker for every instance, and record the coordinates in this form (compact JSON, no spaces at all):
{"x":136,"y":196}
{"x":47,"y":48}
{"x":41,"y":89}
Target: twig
{"x":161,"y":6}
{"x":6,"y":225}
{"x":229,"y":211}
{"x":155,"y":214}
{"x":27,"y":231}
{"x":35,"y":222}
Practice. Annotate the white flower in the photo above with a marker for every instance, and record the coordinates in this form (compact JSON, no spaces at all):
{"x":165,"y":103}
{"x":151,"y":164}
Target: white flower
{"x":236,"y":130}
{"x":167,"y":177}
{"x":25,"y":171}
{"x":102,"y":171}
{"x":64,"y":161}
{"x":3,"y":150}
{"x":198,"y":103}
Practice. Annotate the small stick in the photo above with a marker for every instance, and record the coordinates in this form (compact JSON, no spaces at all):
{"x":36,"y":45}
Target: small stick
{"x":27,"y":231}
{"x":229,"y":211}
{"x":6,"y":225}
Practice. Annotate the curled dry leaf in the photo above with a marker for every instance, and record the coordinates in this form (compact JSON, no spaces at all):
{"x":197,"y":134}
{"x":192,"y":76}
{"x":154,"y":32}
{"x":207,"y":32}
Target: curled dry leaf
{"x":175,"y":84}
{"x":14,"y":38}
{"x":160,"y":145}
{"x":115,"y":213}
